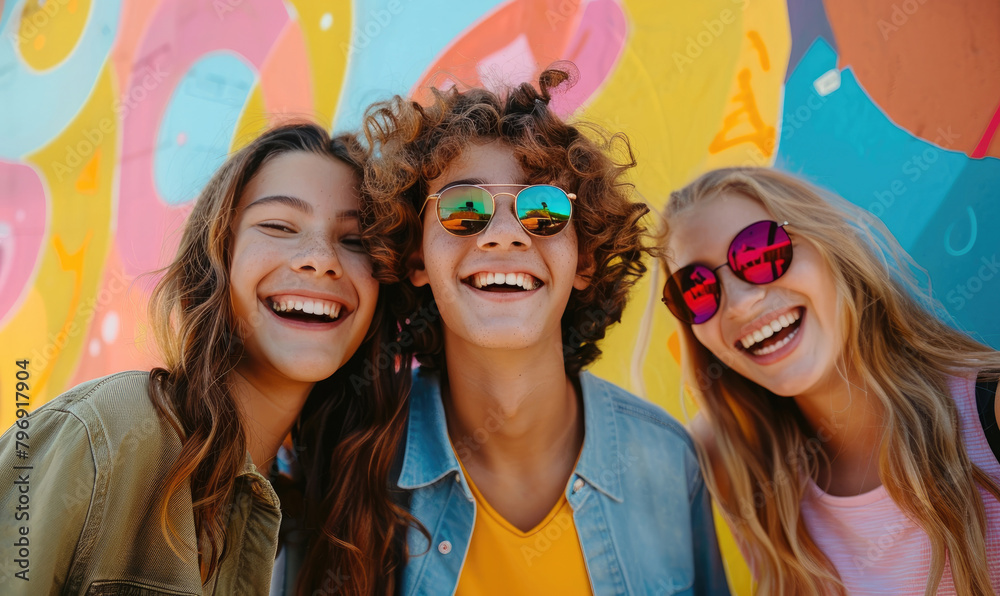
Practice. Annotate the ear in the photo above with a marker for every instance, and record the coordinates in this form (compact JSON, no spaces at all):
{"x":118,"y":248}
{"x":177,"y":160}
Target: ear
{"x":418,"y":273}
{"x":584,"y":271}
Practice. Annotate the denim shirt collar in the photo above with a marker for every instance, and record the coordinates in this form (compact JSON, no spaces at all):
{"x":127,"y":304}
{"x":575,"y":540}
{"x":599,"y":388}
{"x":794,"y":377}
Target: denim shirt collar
{"x":429,"y":455}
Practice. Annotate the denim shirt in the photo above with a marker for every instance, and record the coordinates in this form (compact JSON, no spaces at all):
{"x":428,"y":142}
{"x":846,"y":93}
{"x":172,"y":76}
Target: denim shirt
{"x":640,"y":506}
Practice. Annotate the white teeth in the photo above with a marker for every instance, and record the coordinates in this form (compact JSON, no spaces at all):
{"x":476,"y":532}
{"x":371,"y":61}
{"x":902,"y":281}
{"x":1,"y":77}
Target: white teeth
{"x":776,"y":346}
{"x":769,"y":330}
{"x":312,"y":307}
{"x":523,"y":280}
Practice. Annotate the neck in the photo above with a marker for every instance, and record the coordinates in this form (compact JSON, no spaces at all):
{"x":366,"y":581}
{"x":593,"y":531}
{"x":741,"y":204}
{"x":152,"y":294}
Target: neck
{"x":270,"y":408}
{"x":847,"y":424}
{"x":512,"y":412}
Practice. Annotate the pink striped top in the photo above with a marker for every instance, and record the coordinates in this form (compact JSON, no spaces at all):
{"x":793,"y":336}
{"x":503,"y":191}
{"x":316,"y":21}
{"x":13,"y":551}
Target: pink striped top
{"x":875,"y":547}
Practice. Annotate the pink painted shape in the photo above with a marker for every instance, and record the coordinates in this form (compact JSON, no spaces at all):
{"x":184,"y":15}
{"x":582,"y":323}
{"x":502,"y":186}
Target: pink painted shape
{"x":984,"y":143}
{"x":595,"y":49}
{"x":179,"y":34}
{"x":285,"y":80}
{"x":21,"y":238}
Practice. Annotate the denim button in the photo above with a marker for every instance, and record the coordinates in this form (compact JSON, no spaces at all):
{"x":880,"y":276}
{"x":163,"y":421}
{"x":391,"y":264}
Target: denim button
{"x":578,"y":485}
{"x":444,"y":547}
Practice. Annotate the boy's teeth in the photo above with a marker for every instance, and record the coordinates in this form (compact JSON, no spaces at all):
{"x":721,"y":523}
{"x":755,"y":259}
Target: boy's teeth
{"x":523,"y":280}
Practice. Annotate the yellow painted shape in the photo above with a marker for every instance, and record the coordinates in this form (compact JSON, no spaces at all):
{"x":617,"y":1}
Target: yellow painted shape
{"x":47,"y":34}
{"x":71,"y":265}
{"x":24,"y":328}
{"x":253,"y":120}
{"x":328,"y":51}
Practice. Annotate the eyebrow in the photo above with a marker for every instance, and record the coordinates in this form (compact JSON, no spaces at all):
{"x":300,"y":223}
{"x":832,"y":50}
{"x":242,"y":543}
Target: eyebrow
{"x":292,"y":202}
{"x":475,"y":181}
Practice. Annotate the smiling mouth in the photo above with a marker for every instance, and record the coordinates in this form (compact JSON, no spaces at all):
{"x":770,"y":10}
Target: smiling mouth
{"x":306,"y":311}
{"x":772,"y":336}
{"x":503,"y":282}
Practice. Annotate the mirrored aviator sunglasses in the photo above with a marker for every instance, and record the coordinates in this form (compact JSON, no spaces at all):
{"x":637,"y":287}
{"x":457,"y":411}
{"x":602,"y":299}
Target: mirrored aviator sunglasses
{"x":467,"y":209}
{"x":759,"y":254}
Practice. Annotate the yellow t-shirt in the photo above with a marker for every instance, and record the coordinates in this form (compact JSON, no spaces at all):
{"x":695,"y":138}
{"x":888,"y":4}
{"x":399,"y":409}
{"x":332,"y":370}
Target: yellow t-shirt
{"x":504,"y":560}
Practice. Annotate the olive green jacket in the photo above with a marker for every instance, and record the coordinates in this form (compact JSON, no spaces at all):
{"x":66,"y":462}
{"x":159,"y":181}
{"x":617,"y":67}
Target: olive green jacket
{"x":80,"y":506}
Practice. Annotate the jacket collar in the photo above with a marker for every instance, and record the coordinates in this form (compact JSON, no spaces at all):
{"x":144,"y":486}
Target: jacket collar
{"x":430,"y":457}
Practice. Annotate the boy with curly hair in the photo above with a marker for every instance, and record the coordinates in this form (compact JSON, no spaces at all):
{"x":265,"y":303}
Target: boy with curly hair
{"x":529,"y":475}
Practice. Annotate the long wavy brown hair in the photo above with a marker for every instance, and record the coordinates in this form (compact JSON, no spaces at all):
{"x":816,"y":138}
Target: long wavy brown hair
{"x":904,"y":354}
{"x":350,"y":425}
{"x":411,"y":144}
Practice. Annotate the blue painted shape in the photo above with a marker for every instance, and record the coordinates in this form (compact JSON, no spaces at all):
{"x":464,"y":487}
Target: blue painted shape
{"x":962,"y":252}
{"x":202,"y":111}
{"x":36,"y":107}
{"x":402,"y":47}
{"x":846,"y":143}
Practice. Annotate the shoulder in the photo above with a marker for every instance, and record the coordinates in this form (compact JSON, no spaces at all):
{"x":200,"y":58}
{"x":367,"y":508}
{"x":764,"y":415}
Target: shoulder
{"x":644,"y":426}
{"x":639,"y":414}
{"x":115,"y":414}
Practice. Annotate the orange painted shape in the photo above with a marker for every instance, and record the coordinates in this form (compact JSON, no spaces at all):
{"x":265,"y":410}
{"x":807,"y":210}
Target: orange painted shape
{"x":86,"y":182}
{"x":761,"y":135}
{"x":758,"y":44}
{"x":522,"y":37}
{"x":72,"y":262}
{"x":285,"y":79}
{"x":674,"y":346}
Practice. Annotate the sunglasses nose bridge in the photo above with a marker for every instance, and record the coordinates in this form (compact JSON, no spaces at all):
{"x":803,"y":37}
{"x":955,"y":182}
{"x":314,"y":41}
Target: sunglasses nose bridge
{"x":736,"y":295}
{"x":504,"y":229}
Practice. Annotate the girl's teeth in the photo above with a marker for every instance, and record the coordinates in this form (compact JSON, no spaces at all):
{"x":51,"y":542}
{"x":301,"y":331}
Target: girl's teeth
{"x":776,"y":326}
{"x":758,"y":336}
{"x":489,"y":278}
{"x":519,"y":280}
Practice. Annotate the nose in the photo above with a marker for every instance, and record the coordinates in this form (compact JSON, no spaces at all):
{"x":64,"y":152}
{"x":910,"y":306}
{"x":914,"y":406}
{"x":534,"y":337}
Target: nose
{"x":504,"y":230}
{"x":317,"y":254}
{"x":739,"y":298}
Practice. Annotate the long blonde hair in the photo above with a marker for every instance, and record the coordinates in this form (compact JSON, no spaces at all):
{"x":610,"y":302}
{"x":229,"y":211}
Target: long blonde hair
{"x":904,"y":354}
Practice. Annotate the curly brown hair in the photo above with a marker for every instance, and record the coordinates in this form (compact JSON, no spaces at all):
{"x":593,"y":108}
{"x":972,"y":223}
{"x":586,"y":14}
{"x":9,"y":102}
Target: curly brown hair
{"x":411,"y":144}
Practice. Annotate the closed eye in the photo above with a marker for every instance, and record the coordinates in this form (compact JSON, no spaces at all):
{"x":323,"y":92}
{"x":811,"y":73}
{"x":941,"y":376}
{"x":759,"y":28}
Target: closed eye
{"x":353,"y":243}
{"x":277,"y":226}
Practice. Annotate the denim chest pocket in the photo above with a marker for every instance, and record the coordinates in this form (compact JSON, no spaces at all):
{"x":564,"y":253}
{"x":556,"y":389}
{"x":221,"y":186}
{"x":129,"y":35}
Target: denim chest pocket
{"x":130,"y":588}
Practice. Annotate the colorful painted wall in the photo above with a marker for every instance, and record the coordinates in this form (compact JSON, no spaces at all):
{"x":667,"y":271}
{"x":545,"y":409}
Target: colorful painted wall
{"x":113,"y":115}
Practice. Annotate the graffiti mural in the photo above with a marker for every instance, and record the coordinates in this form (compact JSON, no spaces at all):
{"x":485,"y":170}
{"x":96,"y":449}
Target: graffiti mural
{"x":114,"y":114}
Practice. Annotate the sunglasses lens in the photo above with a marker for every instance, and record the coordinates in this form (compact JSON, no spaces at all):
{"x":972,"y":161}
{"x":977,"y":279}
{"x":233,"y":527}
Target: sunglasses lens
{"x":692,"y":294}
{"x":465,"y":210}
{"x":544,"y":210}
{"x":761,"y":253}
